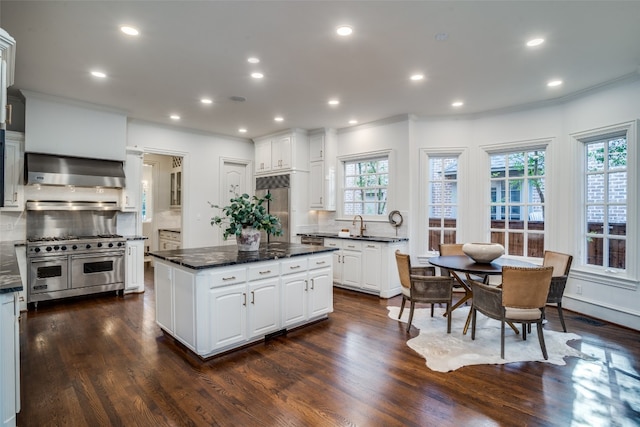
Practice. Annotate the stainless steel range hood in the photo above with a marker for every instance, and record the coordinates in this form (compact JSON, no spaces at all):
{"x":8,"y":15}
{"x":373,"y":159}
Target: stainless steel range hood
{"x":48,"y":169}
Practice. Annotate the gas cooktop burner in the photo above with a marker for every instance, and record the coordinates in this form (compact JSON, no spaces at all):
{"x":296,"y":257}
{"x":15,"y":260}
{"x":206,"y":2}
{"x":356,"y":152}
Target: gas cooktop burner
{"x":68,"y":238}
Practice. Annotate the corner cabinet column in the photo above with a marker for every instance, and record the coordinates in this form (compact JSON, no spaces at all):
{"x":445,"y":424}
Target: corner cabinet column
{"x":9,"y":359}
{"x":132,"y":193}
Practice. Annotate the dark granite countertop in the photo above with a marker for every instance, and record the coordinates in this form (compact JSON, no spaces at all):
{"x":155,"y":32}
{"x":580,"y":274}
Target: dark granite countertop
{"x":10,"y":280}
{"x":383,"y":239}
{"x":220,"y":256}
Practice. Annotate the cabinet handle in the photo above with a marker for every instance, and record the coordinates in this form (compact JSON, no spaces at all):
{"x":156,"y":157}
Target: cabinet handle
{"x":129,"y":250}
{"x":312,"y":287}
{"x":294,"y":267}
{"x":228,"y":278}
{"x":371,"y":246}
{"x":253,"y":297}
{"x":15,"y":194}
{"x":306,"y":285}
{"x":9,"y":113}
{"x":320,"y":199}
{"x":319,"y":262}
{"x":245,"y":299}
{"x":321,"y":154}
{"x":265,"y":272}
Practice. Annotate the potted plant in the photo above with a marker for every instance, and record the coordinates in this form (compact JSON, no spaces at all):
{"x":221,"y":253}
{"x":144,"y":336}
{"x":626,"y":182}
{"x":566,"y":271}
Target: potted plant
{"x":244,"y":218}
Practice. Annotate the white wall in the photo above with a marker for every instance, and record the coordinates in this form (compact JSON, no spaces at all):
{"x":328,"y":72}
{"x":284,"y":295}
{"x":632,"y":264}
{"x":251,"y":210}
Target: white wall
{"x":201,"y":171}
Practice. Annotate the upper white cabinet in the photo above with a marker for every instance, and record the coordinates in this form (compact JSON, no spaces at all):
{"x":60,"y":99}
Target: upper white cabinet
{"x":132,"y":193}
{"x":322,"y":168}
{"x":13,"y":171}
{"x":287,"y":151}
{"x":176,"y":182}
{"x":7,"y":66}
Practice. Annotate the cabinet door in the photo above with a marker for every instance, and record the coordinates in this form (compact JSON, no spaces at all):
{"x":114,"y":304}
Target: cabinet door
{"x":8,"y":363}
{"x":263,"y":156}
{"x":337,"y":258}
{"x":134,"y":263}
{"x":13,"y":189}
{"x":184,"y":307}
{"x":264,"y":307}
{"x":132,"y":193}
{"x":351,"y":267}
{"x":294,"y":301}
{"x":371,"y":266}
{"x":176,"y":189}
{"x":227,"y":315}
{"x":316,"y":185}
{"x":316,"y":148}
{"x":320,"y":292}
{"x":164,"y":296}
{"x":281,"y":153}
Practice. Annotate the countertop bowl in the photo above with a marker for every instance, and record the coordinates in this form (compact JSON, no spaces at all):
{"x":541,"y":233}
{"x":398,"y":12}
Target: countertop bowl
{"x":483,"y":252}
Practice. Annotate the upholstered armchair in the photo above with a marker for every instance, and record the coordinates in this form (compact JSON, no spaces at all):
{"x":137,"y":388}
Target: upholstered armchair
{"x":420,"y":285}
{"x":520,"y":299}
{"x":561,"y":264}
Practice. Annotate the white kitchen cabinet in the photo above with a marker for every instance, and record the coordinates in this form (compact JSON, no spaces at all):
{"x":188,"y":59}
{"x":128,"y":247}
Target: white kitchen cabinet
{"x":184,"y":294}
{"x":9,"y":359}
{"x":320,"y":292}
{"x":286,"y":151}
{"x":134,"y":266}
{"x":322,"y":170}
{"x":306,"y":294}
{"x":227,"y":316}
{"x":13,"y":171}
{"x":163,"y":283}
{"x":132,"y":193}
{"x":264,"y":307}
{"x":367,"y":266}
{"x":176,"y":188}
{"x":169,"y":240}
{"x":372,"y":266}
{"x":7,"y":68}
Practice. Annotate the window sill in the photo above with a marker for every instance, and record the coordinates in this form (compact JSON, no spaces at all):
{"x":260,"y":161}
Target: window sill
{"x":620,"y":280}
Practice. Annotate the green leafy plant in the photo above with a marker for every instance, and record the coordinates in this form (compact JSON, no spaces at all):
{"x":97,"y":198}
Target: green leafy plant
{"x":246,"y":211}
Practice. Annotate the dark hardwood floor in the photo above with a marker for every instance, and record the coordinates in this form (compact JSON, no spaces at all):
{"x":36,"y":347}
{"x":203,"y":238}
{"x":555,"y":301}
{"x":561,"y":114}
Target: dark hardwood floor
{"x":102,"y":361}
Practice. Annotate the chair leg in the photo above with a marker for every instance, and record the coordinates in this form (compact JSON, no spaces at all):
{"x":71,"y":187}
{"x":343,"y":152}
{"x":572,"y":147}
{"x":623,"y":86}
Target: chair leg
{"x":524,"y":331}
{"x":564,"y":327}
{"x":404,"y":299}
{"x":432,"y":306}
{"x":502,"y":339}
{"x":448,"y":319}
{"x":413,"y":305}
{"x":473,"y":322}
{"x":541,"y":339}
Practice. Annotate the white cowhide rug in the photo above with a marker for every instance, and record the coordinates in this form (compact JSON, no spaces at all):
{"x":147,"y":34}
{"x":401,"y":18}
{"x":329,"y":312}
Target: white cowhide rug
{"x":448,"y":352}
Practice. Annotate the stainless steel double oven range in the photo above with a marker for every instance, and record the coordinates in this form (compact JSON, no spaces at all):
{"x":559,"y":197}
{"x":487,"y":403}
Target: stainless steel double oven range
{"x":72,"y":250}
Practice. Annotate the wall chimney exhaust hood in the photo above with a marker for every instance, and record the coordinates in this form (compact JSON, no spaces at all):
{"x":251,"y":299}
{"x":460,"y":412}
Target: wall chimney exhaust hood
{"x":48,"y":169}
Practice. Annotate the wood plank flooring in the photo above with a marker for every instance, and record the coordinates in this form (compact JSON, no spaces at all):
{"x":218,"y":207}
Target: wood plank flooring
{"x":102,"y":361}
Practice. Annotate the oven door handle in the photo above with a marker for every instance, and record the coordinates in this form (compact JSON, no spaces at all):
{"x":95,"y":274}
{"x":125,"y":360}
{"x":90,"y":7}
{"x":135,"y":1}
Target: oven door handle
{"x":97,"y":255}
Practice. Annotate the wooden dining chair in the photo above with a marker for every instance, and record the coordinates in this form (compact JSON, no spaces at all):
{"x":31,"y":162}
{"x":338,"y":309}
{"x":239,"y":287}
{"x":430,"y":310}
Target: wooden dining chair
{"x":521,"y":299}
{"x":561,"y":264}
{"x":421,"y":285}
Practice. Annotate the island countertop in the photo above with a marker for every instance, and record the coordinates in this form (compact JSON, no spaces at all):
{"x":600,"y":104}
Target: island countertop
{"x":10,"y":280}
{"x":219,"y":256}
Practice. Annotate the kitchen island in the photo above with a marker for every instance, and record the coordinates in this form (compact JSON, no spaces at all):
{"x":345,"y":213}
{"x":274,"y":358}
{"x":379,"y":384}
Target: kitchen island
{"x":215,"y":299}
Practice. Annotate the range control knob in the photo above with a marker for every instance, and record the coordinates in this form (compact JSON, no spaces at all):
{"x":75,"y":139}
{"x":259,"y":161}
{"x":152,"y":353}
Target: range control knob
{"x":99,"y":245}
{"x":88,"y":246}
{"x":56,"y":247}
{"x":63,"y":247}
{"x":74,"y":247}
{"x":120,"y":244}
{"x":49,"y":248}
{"x":36,"y":250}
{"x":110,"y":245}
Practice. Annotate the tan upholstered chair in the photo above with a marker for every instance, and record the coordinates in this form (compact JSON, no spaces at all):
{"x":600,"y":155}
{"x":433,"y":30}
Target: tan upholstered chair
{"x":521,"y":299}
{"x":561,"y":264}
{"x":420,"y":285}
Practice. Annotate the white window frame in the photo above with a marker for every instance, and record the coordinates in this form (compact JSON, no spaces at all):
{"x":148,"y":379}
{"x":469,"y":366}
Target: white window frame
{"x":516,"y":147}
{"x":627,"y":279}
{"x":390,"y":155}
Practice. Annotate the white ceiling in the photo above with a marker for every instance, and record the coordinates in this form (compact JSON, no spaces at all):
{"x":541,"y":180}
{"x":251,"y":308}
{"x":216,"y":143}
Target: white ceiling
{"x":188,"y":50}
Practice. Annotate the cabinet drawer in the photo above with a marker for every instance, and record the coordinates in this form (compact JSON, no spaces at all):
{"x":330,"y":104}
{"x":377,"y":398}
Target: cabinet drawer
{"x":376,"y":246}
{"x":320,"y":261}
{"x":228,"y":277}
{"x":352,"y":245}
{"x":333,"y":243}
{"x":264,"y":270}
{"x":170,"y":235}
{"x":294,"y":265}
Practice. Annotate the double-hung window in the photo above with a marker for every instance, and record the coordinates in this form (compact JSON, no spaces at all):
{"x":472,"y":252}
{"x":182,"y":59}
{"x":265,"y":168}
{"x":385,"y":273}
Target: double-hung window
{"x":517,"y":208}
{"x":442,"y":202}
{"x":366,"y":182}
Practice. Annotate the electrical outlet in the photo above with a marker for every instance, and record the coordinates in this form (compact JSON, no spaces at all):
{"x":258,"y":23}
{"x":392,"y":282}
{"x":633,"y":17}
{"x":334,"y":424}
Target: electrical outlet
{"x":579,"y":289}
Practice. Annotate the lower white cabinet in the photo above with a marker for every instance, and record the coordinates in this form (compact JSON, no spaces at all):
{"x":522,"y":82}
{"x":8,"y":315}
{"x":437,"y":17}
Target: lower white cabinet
{"x":367,"y":266}
{"x":169,"y":240}
{"x":134,"y":266}
{"x":217,"y":309}
{"x":9,"y":359}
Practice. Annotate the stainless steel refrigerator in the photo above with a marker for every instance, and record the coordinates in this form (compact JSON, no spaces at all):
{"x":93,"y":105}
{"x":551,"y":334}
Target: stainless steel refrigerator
{"x":278,"y":186}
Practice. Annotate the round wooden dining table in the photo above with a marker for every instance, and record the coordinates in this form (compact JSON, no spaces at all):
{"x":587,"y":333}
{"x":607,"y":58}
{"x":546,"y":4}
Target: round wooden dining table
{"x":457,"y":264}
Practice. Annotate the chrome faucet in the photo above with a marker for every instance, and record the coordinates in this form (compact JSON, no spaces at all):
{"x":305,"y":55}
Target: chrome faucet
{"x":363,"y":227}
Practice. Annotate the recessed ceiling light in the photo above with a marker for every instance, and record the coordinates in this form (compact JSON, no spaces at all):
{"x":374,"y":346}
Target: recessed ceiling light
{"x":257,"y":75}
{"x":344,"y":30}
{"x":535,"y":42}
{"x":99,"y":74}
{"x":242,"y":130}
{"x":237,"y":98}
{"x":441,"y":37}
{"x":130,"y":31}
{"x":253,"y":60}
{"x":457,"y":104}
{"x":278,"y":119}
{"x":206,"y":101}
{"x":334,"y":102}
{"x":554,"y":83}
{"x":353,"y":122}
{"x":417,"y":77}
{"x":174,"y":117}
